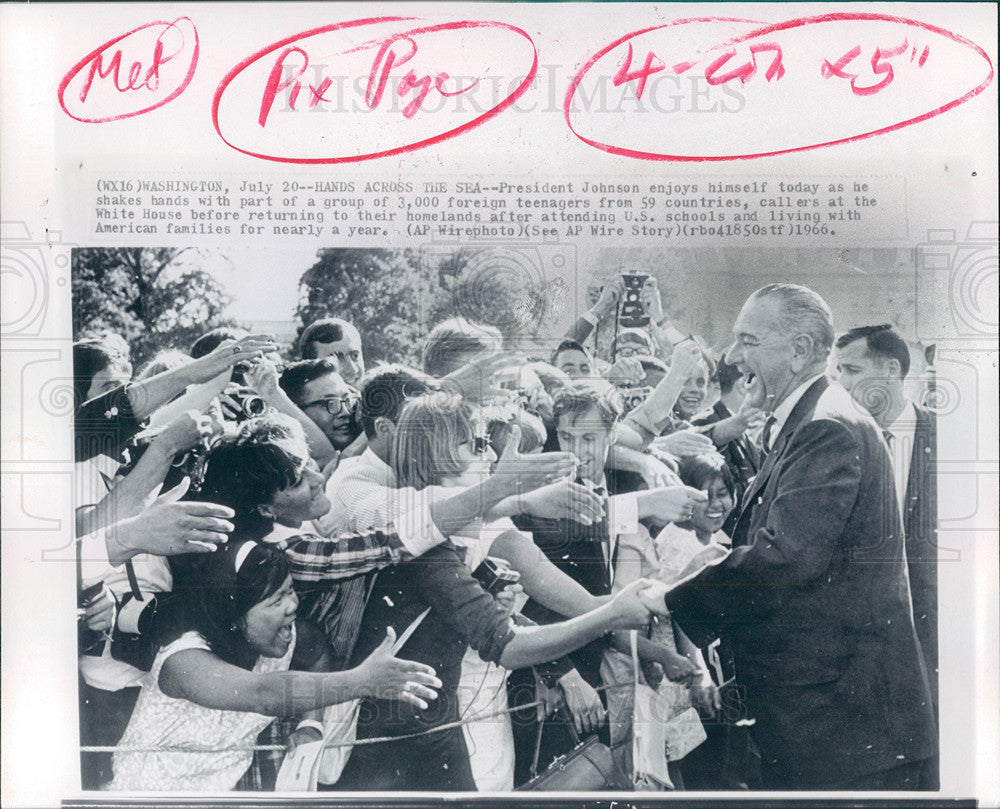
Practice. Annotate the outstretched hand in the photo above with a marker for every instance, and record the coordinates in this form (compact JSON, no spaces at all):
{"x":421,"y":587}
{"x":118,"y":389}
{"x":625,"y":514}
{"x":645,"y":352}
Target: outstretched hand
{"x":384,"y":676}
{"x":169,"y":527}
{"x":476,"y":381}
{"x":522,"y":473}
{"x":631,"y":610}
{"x":229,"y":353}
{"x":564,"y":500}
{"x":683,"y":443}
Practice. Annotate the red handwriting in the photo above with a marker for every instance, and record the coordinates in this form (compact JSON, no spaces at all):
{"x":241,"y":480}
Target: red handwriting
{"x":748,"y":69}
{"x":387,"y":58}
{"x":744,"y":72}
{"x":873,"y":54}
{"x":161,"y":58}
{"x":394,"y":60}
{"x":837,"y":69}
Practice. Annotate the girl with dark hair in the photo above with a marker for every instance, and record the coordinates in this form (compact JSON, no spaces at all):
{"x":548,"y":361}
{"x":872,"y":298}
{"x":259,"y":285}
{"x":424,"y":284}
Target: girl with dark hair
{"x":223,"y":676}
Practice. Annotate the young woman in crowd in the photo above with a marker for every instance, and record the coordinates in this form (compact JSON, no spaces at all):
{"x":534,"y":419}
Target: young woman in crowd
{"x":223,"y":675}
{"x":437,"y":441}
{"x":667,"y":557}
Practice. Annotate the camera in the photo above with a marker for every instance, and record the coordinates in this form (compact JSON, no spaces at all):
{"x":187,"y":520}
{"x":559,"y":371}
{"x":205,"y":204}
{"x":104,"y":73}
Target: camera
{"x":494,"y":575}
{"x":632,"y":397}
{"x":631,"y":312}
{"x":246,"y":404}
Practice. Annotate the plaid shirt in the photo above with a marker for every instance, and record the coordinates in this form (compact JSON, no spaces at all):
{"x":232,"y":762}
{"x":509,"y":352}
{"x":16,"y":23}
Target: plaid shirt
{"x":333,"y":576}
{"x":314,"y":559}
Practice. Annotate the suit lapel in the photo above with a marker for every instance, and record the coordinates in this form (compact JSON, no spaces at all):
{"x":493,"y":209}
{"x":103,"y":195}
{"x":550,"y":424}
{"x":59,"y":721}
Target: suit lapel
{"x":805,"y":405}
{"x":922,"y":457}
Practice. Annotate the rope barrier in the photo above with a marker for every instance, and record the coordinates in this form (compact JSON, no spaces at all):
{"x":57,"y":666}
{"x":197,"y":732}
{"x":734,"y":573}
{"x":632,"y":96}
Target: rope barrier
{"x":267,"y":748}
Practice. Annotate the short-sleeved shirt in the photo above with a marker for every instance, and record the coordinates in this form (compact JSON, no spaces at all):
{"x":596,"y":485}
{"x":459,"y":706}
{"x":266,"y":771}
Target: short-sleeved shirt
{"x":159,"y":720}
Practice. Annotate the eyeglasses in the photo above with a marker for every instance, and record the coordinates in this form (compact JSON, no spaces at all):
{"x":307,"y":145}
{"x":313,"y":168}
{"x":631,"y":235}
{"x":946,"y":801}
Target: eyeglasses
{"x":336,"y":404}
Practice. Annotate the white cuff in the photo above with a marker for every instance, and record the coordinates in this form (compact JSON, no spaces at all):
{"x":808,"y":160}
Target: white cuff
{"x":674,"y":335}
{"x":417,"y":531}
{"x":623,"y":514}
{"x":94,"y":562}
{"x":129,"y":615}
{"x":590,"y":317}
{"x":311,"y":723}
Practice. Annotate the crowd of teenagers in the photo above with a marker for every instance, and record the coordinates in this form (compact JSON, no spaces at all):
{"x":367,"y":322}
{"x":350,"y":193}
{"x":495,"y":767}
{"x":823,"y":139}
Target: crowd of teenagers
{"x":491,"y":553}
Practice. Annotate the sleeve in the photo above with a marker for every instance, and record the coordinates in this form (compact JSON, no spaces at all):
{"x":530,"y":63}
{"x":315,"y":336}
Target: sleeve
{"x":189,"y":640}
{"x":580,"y":330}
{"x":448,"y":587}
{"x":313,"y":558}
{"x":818,"y":485}
{"x":104,"y":425}
{"x":623,"y":513}
{"x":94,"y":562}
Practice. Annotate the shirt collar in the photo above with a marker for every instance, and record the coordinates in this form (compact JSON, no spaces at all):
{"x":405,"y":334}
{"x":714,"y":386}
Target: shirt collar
{"x":784,"y":410}
{"x":369,"y":457}
{"x":905,"y":421}
{"x":281,"y":534}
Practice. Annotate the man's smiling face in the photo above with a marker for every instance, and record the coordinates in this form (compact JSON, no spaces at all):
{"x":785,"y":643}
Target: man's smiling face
{"x":764,"y":354}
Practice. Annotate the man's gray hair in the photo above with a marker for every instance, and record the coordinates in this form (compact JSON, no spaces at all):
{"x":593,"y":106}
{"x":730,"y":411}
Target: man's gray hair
{"x":802,"y":311}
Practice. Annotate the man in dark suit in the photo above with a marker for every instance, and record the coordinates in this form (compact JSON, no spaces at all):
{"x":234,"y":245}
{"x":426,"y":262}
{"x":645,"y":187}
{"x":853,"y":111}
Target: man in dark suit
{"x":814,"y":597}
{"x":873,"y":362}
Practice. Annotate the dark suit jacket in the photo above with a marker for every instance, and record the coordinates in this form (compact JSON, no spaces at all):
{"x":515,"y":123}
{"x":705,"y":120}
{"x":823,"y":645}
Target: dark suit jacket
{"x":815,"y":601}
{"x":920,"y":527}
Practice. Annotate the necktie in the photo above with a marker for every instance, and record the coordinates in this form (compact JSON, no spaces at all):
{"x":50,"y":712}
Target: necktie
{"x":765,"y":437}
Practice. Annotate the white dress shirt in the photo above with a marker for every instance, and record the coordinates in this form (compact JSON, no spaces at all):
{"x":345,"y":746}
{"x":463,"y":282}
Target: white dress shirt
{"x":903,"y":432}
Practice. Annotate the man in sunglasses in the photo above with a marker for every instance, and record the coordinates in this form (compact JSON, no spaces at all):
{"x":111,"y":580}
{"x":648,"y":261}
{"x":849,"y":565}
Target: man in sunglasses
{"x":321,"y":393}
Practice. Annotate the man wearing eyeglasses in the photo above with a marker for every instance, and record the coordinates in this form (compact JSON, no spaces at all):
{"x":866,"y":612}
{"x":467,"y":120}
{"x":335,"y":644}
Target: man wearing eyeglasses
{"x":323,"y":395}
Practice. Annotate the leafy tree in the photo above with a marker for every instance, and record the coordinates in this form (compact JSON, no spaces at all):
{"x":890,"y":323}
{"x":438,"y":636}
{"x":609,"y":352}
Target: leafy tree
{"x":394,"y":297}
{"x":145,"y":296}
{"x":382,"y":292}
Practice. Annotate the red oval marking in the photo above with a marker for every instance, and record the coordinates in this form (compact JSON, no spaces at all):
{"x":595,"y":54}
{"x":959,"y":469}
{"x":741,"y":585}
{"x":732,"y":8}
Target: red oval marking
{"x":880,"y":50}
{"x":271,"y":105}
{"x":142,"y":68}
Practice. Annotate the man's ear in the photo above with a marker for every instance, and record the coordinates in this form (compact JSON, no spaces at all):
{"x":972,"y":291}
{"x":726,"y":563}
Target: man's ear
{"x":893,"y":368}
{"x":803,"y":349}
{"x":383,"y":426}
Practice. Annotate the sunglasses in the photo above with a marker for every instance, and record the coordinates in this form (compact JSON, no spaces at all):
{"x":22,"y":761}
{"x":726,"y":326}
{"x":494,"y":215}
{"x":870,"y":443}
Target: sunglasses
{"x":336,"y":404}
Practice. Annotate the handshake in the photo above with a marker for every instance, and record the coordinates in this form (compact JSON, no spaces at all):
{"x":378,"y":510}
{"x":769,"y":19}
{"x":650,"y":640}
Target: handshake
{"x":645,"y":597}
{"x":632,"y":607}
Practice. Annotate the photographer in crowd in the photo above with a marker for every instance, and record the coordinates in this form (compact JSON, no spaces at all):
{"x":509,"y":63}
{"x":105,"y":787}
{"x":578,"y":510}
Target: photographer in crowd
{"x":367,"y":501}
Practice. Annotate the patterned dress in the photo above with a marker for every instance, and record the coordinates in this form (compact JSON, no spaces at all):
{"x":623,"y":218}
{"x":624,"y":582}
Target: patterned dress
{"x":162,"y":721}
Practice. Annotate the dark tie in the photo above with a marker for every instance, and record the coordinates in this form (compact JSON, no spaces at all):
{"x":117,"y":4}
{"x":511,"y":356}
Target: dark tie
{"x":765,"y":437}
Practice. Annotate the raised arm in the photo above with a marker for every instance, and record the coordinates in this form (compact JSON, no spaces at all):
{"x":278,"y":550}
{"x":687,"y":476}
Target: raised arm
{"x":151,"y":394}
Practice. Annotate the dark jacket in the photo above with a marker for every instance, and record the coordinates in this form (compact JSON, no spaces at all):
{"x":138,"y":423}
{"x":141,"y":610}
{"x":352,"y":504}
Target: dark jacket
{"x":920,"y":528}
{"x":816,"y":603}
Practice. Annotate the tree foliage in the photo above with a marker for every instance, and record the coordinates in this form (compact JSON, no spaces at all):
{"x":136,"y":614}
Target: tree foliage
{"x":394,"y":297}
{"x":143,"y":295}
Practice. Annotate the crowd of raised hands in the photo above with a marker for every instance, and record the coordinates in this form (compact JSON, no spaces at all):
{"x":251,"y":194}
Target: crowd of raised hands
{"x":228,"y":496}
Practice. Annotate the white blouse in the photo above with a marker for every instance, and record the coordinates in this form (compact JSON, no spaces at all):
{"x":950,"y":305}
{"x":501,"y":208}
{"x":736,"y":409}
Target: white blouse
{"x":159,"y":720}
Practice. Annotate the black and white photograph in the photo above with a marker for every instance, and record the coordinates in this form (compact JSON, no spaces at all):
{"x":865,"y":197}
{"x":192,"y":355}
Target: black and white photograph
{"x":427,"y":404}
{"x":679,"y":423}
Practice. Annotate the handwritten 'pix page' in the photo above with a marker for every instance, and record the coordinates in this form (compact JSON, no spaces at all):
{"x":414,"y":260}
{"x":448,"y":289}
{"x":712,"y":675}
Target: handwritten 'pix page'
{"x":624,"y":176}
